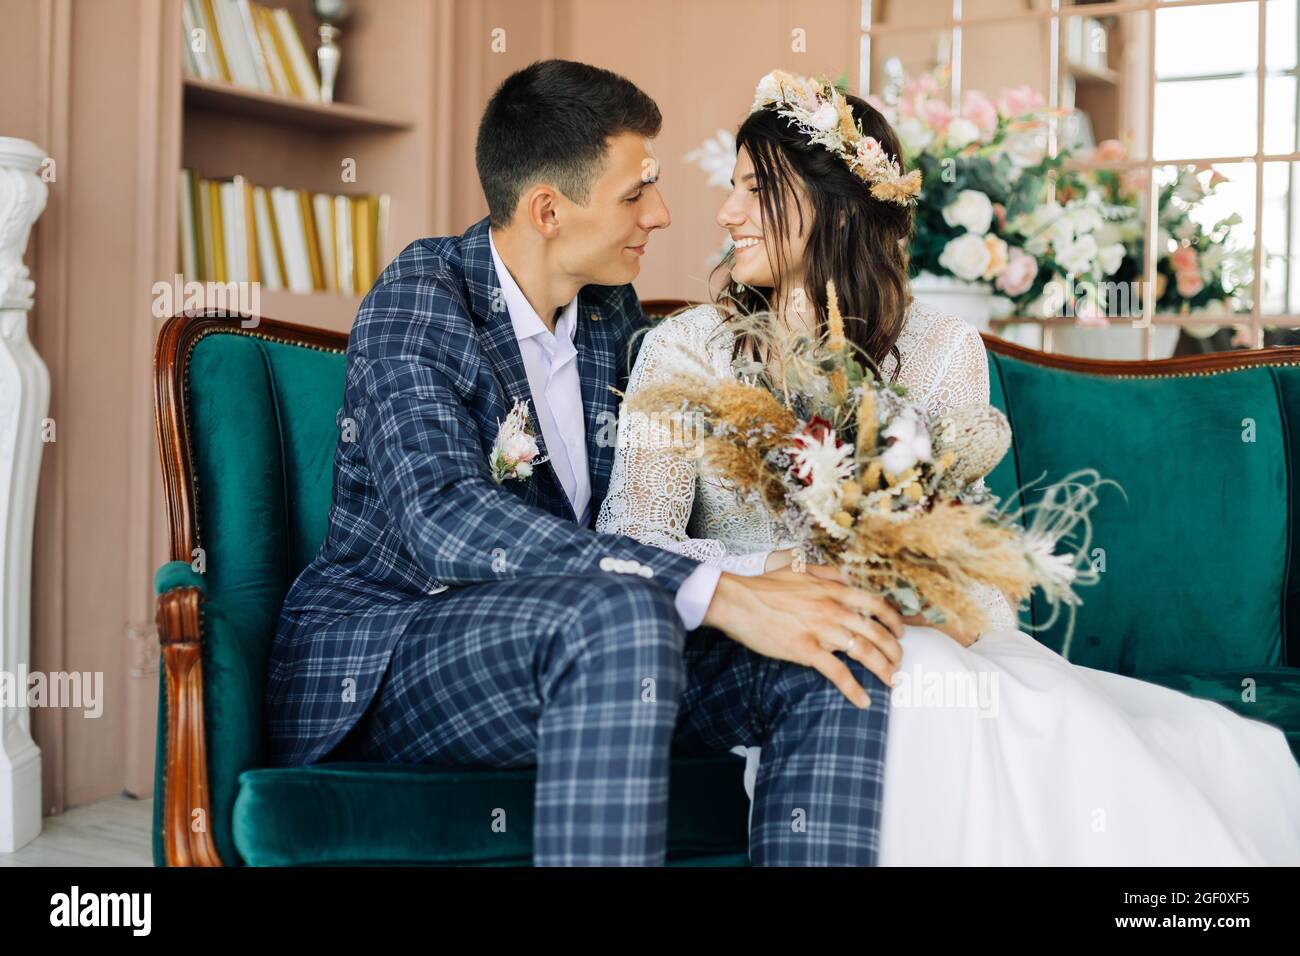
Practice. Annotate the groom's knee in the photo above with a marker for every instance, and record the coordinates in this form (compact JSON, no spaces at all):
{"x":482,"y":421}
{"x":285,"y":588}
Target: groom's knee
{"x":616,"y":601}
{"x":796,"y":683}
{"x":618,"y":616}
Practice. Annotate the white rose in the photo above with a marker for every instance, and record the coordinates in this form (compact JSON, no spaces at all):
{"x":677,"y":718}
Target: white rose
{"x":1025,"y":149}
{"x":1110,"y":257}
{"x":769,"y":89}
{"x":971,"y":210}
{"x":962,"y":132}
{"x":1037,"y":245}
{"x":1061,"y":233}
{"x":826,"y":118}
{"x":1086,"y":219}
{"x":914,"y":135}
{"x":966,"y":257}
{"x":523,"y":469}
{"x":1076,"y":257}
{"x":1108,"y":233}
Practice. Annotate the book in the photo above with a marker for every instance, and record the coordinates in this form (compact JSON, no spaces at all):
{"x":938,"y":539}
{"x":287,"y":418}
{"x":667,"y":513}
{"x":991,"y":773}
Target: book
{"x":323,"y":210}
{"x":230,"y":31}
{"x":217,"y":235}
{"x":248,"y":33}
{"x":268,"y":255}
{"x":206,"y":20}
{"x":343,"y":245}
{"x":187,"y":223}
{"x":300,"y":64}
{"x":276,"y":61}
{"x":231,"y":230}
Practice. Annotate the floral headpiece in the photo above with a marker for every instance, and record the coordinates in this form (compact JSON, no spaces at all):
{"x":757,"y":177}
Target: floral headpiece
{"x":820,"y":112}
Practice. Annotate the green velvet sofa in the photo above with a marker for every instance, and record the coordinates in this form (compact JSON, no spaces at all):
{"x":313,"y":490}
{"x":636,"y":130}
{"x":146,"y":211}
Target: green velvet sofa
{"x":1201,"y":587}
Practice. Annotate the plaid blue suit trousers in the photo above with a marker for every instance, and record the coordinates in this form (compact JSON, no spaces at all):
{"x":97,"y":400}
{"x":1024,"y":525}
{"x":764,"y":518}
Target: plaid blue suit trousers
{"x":451,"y":620}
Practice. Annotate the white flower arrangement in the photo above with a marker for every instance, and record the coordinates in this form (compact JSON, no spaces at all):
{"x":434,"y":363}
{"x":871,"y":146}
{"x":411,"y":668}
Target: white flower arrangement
{"x":514,"y":452}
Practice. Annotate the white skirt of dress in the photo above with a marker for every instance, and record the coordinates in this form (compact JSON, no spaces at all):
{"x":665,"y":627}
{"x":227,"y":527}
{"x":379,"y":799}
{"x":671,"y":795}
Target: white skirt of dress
{"x":1006,"y":754}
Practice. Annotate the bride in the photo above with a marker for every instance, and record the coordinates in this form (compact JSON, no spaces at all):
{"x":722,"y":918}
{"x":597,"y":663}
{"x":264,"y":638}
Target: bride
{"x":1051,"y":763}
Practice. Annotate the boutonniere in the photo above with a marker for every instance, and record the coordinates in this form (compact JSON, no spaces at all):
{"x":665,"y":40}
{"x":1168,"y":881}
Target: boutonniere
{"x":514,"y":453}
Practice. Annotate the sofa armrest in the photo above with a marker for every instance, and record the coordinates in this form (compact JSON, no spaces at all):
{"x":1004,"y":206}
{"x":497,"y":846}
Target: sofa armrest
{"x":186,"y":807}
{"x":178,"y":574}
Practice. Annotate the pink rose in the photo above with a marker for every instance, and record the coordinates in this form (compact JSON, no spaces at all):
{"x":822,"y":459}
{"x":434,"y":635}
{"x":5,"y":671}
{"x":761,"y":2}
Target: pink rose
{"x":937,"y":115}
{"x":1184,"y":259}
{"x":1019,"y":274}
{"x":1018,"y":101}
{"x":1109,"y":151}
{"x":869,"y":150}
{"x":1188,"y":283}
{"x":977,"y":108}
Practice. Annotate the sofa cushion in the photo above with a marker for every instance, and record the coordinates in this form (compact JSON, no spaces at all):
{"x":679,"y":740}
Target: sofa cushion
{"x":1196,"y":558}
{"x":350,"y":813}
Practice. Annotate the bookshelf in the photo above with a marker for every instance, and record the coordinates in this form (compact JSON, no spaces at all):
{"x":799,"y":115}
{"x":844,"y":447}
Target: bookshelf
{"x":220,"y":97}
{"x":375,"y":139}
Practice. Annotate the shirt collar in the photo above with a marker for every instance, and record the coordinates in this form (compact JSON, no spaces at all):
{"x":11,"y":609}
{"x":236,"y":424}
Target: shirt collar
{"x":527,"y":323}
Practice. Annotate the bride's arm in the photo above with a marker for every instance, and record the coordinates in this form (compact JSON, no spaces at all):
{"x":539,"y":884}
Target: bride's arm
{"x":966,"y":381}
{"x":652,"y":484}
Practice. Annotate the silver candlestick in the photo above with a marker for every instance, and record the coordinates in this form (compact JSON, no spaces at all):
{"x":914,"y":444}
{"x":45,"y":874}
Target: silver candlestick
{"x":331,"y":13}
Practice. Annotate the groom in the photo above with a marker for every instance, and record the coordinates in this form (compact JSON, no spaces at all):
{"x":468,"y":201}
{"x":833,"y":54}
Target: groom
{"x":455,"y":620}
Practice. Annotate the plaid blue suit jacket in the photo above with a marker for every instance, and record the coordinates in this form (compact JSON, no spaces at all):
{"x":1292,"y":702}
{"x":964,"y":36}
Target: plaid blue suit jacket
{"x":432,"y":367}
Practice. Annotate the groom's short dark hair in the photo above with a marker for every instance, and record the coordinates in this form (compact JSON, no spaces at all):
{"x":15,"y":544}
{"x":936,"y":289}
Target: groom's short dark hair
{"x":548,"y":123}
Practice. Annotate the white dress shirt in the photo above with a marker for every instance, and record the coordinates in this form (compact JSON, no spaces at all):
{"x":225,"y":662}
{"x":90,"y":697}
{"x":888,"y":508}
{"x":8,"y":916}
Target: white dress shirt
{"x":551,"y":363}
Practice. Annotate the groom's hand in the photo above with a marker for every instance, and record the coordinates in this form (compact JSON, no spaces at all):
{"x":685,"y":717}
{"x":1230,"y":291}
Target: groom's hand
{"x":796,"y":616}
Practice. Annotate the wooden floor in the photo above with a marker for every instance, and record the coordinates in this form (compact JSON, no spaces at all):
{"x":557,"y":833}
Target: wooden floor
{"x":113,"y":832}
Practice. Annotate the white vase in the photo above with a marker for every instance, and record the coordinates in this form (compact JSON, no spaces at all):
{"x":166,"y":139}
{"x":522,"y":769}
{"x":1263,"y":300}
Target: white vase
{"x":970,"y":301}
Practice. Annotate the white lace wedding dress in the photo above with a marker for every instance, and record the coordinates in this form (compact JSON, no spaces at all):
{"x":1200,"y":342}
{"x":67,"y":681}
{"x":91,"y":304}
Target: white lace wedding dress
{"x":1042,"y":762}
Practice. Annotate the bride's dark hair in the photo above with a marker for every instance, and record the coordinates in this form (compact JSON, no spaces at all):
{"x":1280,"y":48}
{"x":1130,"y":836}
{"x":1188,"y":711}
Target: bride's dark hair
{"x":854,"y":239}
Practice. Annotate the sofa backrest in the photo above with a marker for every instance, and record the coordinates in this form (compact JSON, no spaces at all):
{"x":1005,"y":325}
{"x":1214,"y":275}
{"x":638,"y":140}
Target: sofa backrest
{"x":249,"y":483}
{"x":1199,"y":569}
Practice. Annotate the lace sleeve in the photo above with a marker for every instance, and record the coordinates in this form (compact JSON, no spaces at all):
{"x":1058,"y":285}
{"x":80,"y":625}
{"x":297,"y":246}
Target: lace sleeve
{"x":652,"y":483}
{"x":962,"y":378}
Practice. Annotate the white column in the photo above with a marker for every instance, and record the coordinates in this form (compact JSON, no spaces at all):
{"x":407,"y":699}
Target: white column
{"x":24,"y":402}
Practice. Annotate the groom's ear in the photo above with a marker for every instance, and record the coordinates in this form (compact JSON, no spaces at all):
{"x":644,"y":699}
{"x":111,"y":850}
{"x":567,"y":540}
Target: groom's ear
{"x":538,"y":206}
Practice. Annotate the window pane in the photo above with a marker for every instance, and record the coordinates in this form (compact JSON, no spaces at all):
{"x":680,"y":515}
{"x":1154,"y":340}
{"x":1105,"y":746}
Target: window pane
{"x":1206,"y":245}
{"x":1279,"y":114}
{"x":1205,"y":118}
{"x":1201,"y":40}
{"x":1280,"y":42}
{"x":1281,"y":230}
{"x":1106,"y":78}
